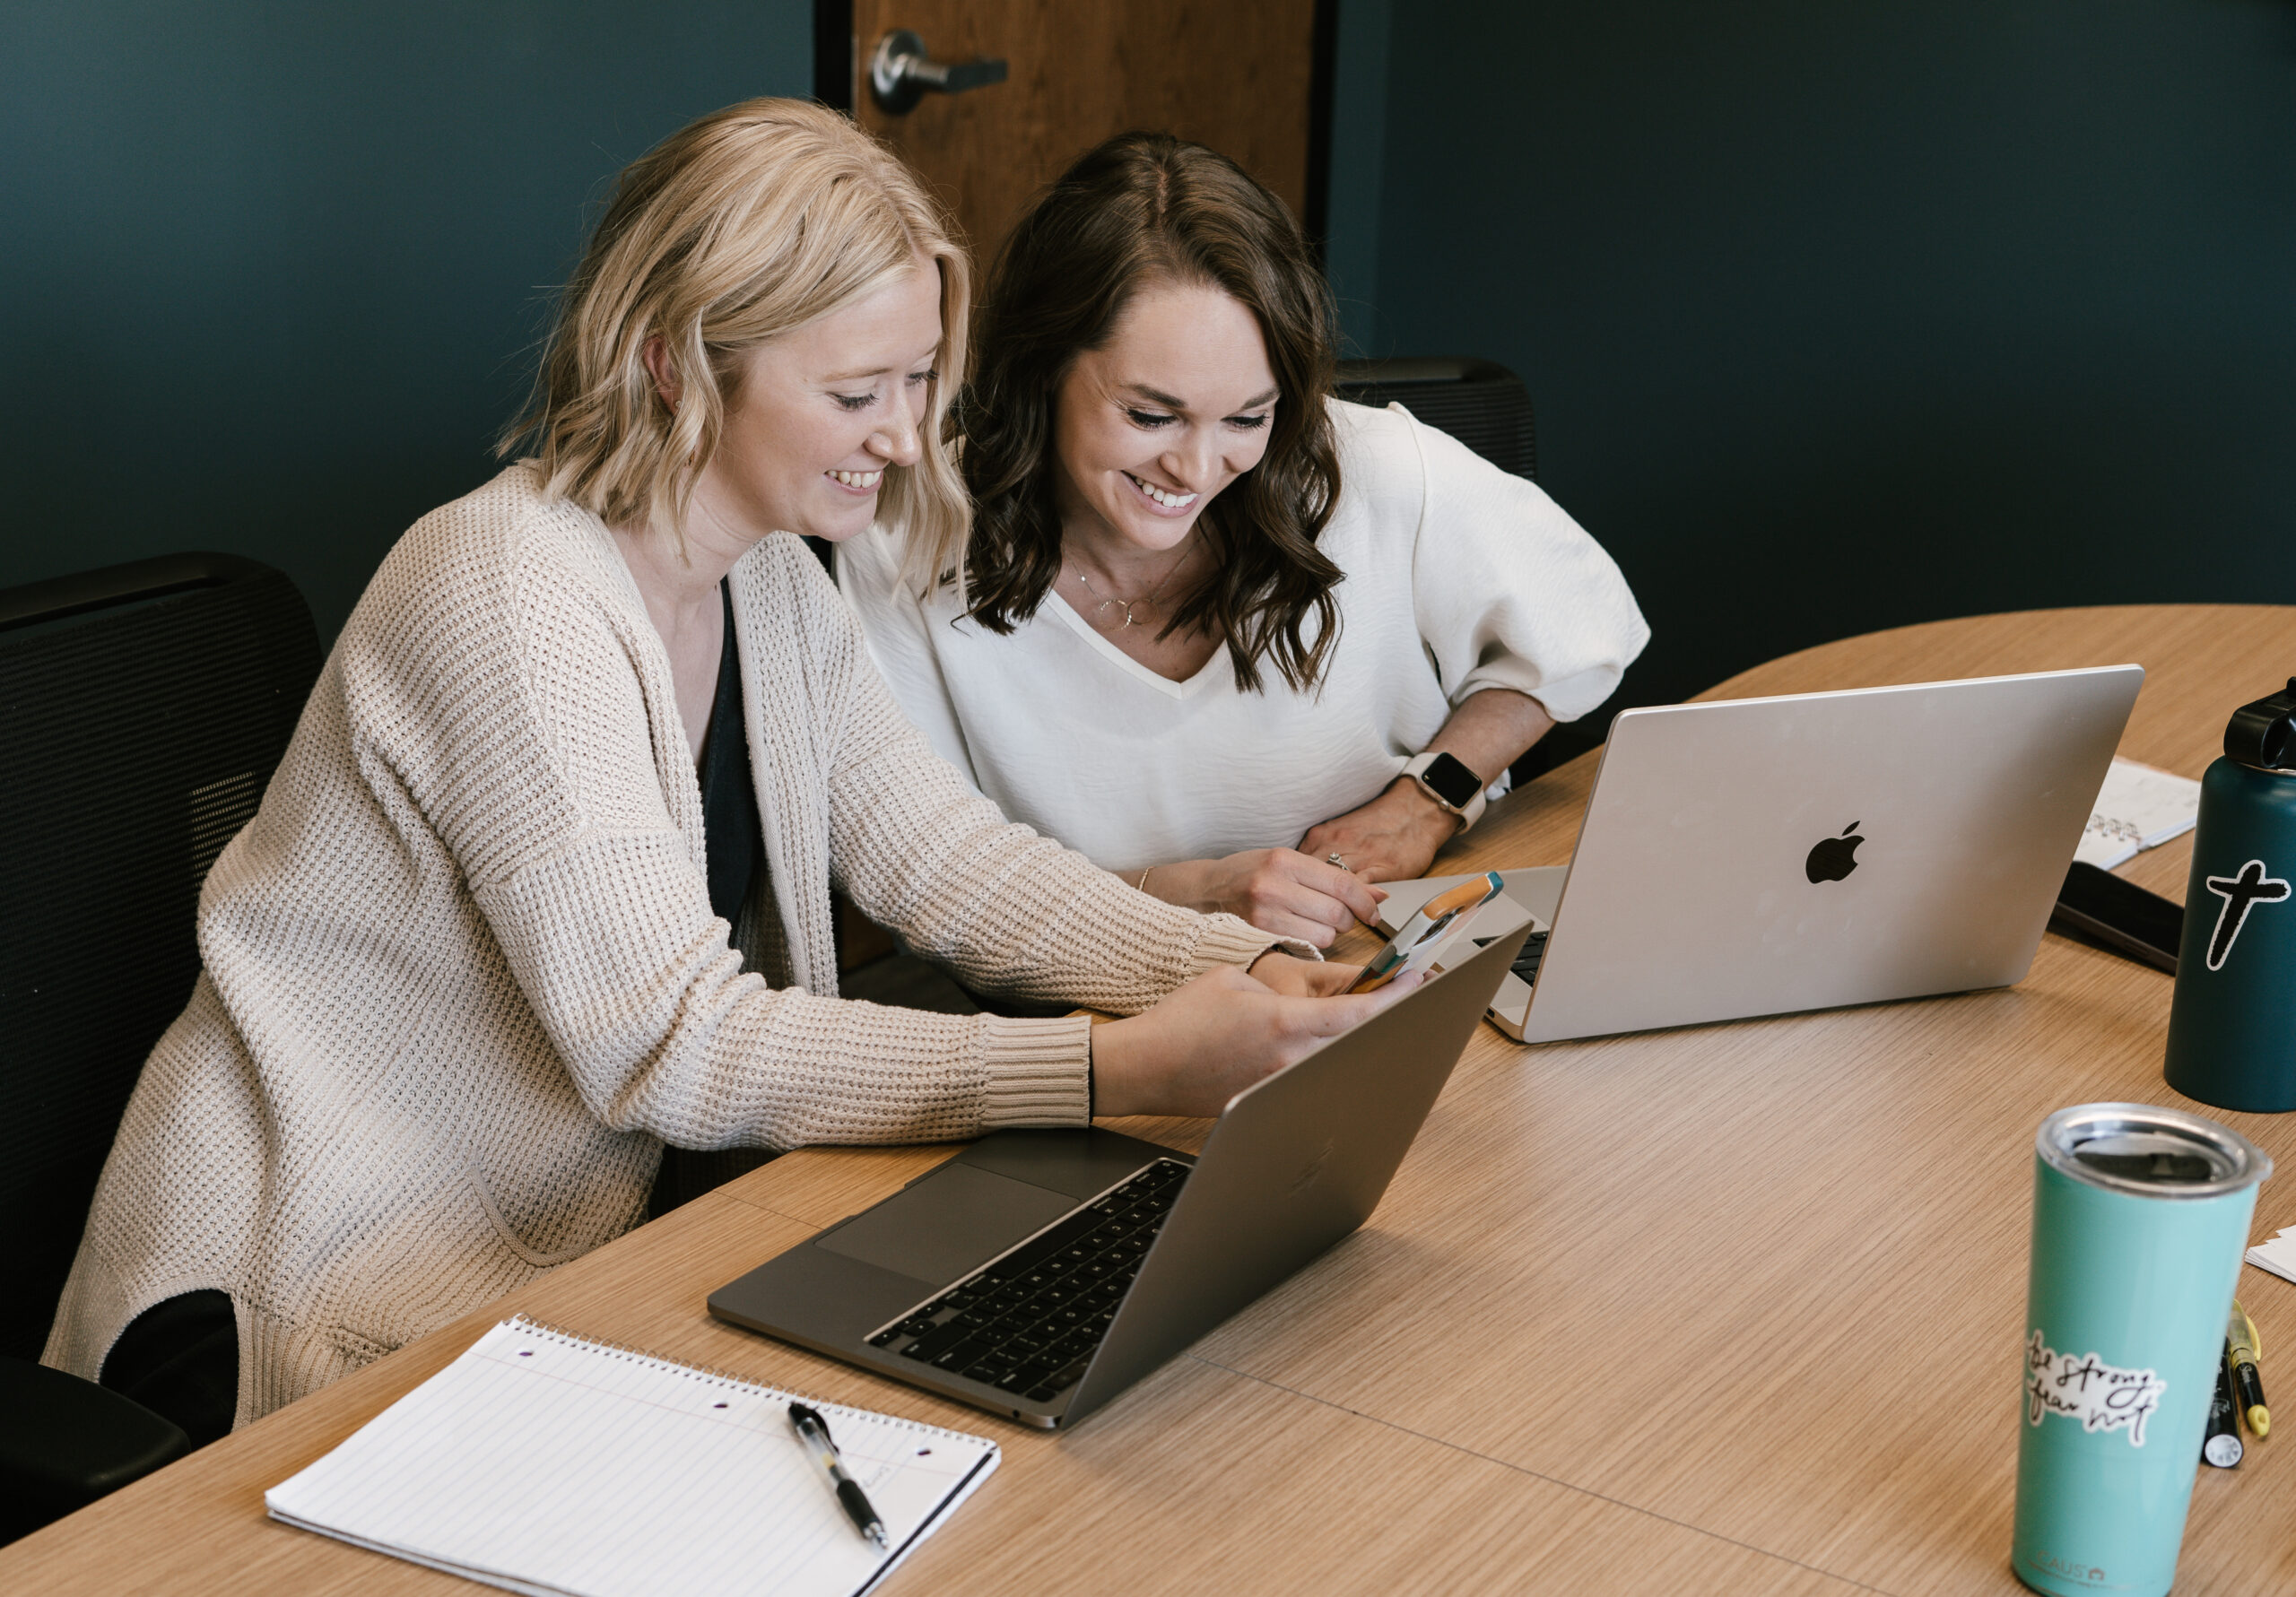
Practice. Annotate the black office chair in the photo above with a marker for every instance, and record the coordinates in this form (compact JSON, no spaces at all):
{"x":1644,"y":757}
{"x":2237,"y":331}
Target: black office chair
{"x":142,"y":708}
{"x":1480,"y":403}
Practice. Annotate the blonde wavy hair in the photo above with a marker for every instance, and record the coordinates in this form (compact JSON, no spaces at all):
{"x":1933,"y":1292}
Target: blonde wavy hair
{"x":742,"y":226}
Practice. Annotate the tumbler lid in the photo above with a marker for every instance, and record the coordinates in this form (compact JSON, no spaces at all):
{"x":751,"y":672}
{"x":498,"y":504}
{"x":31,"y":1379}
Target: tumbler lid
{"x":2150,"y":1151}
{"x":2263,"y":734}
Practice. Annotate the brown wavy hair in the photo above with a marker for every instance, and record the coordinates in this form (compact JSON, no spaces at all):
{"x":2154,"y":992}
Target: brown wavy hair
{"x":1141,"y":207}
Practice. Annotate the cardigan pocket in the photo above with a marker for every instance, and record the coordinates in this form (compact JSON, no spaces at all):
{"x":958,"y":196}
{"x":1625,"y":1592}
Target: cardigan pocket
{"x":359,"y":1350}
{"x":448,"y":1251}
{"x":502,"y":1231}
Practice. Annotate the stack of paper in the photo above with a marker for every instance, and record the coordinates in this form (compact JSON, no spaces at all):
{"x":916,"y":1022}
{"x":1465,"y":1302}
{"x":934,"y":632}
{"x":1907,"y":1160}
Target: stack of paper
{"x":2278,"y":1255}
{"x":2138,"y":808}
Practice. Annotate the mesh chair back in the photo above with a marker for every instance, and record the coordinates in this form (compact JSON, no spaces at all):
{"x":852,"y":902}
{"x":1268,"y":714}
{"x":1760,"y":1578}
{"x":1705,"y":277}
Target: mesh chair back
{"x":142,"y":708}
{"x":1480,"y":403}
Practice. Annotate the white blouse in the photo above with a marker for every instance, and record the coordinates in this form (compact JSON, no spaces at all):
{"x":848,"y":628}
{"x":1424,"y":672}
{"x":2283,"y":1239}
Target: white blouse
{"x":1458,"y":577}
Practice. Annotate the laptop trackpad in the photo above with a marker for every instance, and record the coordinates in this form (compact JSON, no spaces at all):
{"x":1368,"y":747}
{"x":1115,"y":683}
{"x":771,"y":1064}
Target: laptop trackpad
{"x":956,"y":1219}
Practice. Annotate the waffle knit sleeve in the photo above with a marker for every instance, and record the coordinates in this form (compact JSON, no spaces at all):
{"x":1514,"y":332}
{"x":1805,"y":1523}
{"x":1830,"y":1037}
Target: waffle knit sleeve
{"x":1011,"y":911}
{"x":523,"y":739}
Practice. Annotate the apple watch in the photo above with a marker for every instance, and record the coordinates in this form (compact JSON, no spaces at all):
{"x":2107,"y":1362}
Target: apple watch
{"x":1450,"y":784}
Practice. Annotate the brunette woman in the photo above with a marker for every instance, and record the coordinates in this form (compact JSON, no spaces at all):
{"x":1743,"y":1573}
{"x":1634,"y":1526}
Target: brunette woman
{"x":1248,"y":646}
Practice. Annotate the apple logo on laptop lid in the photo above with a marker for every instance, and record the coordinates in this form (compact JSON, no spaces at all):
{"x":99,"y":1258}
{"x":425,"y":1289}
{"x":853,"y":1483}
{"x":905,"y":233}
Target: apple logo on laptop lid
{"x":1834,"y":858}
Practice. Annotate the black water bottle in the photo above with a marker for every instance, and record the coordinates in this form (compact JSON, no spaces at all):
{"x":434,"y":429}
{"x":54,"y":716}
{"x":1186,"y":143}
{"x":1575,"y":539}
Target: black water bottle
{"x":2232,"y":1024}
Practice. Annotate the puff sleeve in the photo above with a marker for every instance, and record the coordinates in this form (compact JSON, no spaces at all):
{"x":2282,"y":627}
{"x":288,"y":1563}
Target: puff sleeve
{"x":1508,"y":592}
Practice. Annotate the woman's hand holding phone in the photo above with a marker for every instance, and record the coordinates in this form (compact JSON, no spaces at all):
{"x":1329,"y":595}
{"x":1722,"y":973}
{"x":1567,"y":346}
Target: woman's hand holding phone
{"x":1302,"y":978}
{"x":1208,"y":1040}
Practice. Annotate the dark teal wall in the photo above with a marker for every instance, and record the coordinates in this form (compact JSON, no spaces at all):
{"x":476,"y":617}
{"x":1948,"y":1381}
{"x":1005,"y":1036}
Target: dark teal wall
{"x":271,"y":274}
{"x":1358,"y":143}
{"x":1837,"y":316}
{"x":1840,"y":316}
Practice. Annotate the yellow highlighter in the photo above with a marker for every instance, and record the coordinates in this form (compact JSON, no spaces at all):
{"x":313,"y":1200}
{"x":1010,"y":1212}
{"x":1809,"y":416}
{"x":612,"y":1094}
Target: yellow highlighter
{"x":2248,"y":1385}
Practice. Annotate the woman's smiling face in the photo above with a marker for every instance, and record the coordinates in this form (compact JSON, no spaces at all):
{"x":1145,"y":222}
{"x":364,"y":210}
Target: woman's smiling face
{"x":1174,"y":407}
{"x":821,"y":412}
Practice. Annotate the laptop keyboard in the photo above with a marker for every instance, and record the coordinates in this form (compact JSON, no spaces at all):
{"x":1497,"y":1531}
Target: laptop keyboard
{"x":1030,"y":1321}
{"x":1527,"y":963}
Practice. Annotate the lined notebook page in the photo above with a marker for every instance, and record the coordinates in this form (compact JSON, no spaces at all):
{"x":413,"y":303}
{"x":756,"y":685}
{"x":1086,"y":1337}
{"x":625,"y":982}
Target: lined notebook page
{"x":543,"y":1462}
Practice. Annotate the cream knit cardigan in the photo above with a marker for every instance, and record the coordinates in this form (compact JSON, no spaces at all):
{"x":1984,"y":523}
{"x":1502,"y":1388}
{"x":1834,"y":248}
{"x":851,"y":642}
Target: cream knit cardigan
{"x":462,"y":980}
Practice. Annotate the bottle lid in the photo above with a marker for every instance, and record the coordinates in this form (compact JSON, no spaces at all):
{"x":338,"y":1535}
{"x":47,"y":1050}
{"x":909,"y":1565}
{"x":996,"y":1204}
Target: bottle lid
{"x":2263,"y":734}
{"x":2150,"y":1151}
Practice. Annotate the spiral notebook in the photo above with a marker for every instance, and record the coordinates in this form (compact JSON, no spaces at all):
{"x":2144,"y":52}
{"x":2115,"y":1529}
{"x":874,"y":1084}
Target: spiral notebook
{"x":2138,"y":808}
{"x":543,"y":1463}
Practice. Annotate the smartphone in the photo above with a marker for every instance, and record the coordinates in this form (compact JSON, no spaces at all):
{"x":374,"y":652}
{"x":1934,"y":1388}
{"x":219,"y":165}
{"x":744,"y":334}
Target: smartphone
{"x":2141,"y":926}
{"x":1420,"y":941}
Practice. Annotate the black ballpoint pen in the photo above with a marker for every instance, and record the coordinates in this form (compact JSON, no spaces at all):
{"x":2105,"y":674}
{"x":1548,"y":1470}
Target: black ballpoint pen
{"x":813,"y":1431}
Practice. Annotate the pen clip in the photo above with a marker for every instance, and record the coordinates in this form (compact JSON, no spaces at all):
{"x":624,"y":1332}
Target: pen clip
{"x":813,"y":1431}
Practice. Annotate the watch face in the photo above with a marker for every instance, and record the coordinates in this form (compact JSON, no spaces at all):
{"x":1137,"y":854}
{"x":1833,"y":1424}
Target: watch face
{"x":1453,"y":783}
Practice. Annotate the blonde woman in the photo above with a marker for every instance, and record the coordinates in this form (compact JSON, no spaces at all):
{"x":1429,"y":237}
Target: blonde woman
{"x":543,"y":881}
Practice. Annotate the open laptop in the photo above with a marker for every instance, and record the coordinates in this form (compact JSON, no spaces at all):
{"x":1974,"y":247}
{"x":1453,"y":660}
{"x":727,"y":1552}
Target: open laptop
{"x":1038,"y":1273}
{"x":1757,"y":856}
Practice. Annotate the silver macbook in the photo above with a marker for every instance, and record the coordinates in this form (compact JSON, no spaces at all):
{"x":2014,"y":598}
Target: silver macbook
{"x":1038,"y":1273}
{"x":1758,"y":856}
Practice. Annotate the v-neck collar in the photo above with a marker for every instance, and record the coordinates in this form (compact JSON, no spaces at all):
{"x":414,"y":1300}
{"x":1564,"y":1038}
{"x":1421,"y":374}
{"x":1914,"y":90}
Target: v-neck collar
{"x":1187,"y":688}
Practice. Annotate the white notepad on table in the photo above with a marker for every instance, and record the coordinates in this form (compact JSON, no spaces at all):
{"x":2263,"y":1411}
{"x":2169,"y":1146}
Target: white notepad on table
{"x":2277,"y":1256}
{"x":2138,"y":808}
{"x":543,"y":1463}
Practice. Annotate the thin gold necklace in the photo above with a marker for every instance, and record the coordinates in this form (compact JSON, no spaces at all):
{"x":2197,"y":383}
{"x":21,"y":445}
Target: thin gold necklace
{"x":1130,"y":605}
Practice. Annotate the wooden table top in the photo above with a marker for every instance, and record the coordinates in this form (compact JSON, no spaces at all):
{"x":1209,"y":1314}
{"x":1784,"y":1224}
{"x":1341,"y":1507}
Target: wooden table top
{"x":1733,"y":1307}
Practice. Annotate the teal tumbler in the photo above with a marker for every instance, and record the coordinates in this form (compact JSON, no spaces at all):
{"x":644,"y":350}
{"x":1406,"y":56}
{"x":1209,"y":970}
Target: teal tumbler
{"x":2232,"y":1021}
{"x":2140,"y":1218}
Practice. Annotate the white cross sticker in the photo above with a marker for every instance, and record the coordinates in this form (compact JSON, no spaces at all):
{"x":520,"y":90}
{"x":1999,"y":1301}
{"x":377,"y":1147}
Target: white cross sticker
{"x":2253,"y":886}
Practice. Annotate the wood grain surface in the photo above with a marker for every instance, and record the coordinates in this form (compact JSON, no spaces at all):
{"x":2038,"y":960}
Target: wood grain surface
{"x":1722,"y":1308}
{"x":1235,"y":77}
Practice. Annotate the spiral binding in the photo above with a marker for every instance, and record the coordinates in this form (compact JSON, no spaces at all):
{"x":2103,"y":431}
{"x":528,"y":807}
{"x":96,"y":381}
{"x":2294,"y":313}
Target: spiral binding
{"x":723,"y":1376}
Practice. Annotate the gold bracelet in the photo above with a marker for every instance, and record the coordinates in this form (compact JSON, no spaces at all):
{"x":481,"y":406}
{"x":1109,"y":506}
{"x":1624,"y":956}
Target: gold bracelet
{"x":1141,"y":886}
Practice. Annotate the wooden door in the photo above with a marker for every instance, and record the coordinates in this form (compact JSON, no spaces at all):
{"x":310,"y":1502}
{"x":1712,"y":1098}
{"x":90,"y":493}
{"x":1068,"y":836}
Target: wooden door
{"x":1235,"y":75}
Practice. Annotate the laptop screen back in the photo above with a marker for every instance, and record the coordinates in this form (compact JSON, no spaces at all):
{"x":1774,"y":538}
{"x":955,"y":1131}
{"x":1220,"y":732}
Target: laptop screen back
{"x":1760,"y":856}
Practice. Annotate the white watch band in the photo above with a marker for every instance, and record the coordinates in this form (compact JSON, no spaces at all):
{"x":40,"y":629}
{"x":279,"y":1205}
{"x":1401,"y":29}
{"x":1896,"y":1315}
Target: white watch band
{"x":1470,"y":812}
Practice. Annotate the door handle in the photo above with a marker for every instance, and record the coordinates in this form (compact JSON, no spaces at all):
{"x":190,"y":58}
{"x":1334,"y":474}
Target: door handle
{"x":901,"y":73}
